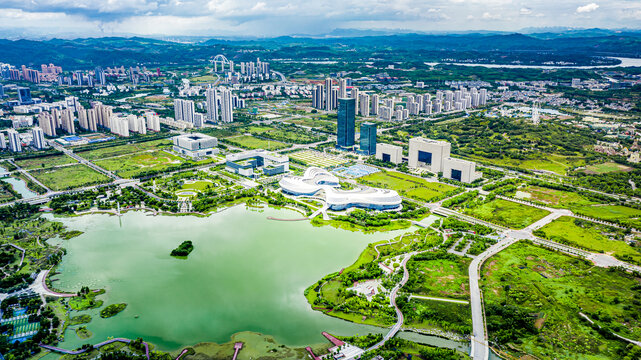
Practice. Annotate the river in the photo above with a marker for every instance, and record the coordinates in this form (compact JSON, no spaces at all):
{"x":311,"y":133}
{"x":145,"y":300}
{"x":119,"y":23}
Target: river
{"x":246,"y":273}
{"x":625,"y":62}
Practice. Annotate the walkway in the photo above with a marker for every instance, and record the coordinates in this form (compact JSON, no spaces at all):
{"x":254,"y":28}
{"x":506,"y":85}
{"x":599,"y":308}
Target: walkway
{"x":465,"y":302}
{"x":97,"y":346}
{"x":399,"y":314}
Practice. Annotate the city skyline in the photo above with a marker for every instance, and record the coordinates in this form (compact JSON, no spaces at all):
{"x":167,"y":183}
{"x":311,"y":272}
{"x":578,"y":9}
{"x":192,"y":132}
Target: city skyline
{"x":264,"y":18}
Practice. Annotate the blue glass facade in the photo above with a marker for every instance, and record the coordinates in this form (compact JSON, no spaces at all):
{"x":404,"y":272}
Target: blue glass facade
{"x":346,"y":123}
{"x":368,"y":138}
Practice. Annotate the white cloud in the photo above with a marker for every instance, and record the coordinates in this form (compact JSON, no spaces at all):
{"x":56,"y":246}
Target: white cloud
{"x":587,"y":8}
{"x":489,"y":16}
{"x":525,"y":11}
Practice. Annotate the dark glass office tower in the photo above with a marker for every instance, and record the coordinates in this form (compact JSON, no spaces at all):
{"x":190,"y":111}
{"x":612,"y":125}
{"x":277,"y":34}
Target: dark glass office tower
{"x":346,"y":123}
{"x":368,"y":138}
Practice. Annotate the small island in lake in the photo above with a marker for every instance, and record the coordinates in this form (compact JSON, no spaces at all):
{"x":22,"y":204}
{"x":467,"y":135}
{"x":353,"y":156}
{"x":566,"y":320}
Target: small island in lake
{"x":112,"y":310}
{"x":183,"y":250}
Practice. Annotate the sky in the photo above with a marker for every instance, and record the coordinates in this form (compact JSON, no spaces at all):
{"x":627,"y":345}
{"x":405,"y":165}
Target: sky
{"x":266,"y":18}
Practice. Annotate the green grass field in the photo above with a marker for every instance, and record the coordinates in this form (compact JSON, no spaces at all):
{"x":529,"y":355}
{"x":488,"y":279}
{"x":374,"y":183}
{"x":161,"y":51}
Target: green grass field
{"x":507,"y":213}
{"x":551,"y":289}
{"x":626,"y":215}
{"x":250,"y":142}
{"x":69,"y":177}
{"x":45,"y":161}
{"x":439,"y":278}
{"x":203,"y":79}
{"x":314,"y":123}
{"x":119,"y":150}
{"x":430,"y":314}
{"x":554,"y":198}
{"x":605,"y":168}
{"x":131,"y":165}
{"x":551,"y":162}
{"x":407,"y":185}
{"x":583,"y":234}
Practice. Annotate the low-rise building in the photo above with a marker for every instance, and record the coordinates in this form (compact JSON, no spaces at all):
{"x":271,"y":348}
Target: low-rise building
{"x":195,"y":145}
{"x":389,"y":153}
{"x":247,"y":162}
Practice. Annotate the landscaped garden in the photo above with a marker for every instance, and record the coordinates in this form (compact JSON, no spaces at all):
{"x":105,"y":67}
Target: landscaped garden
{"x":133,"y":165}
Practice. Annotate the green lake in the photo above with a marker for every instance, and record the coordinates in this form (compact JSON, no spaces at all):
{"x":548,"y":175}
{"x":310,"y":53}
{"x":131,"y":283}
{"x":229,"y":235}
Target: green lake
{"x":246,"y":273}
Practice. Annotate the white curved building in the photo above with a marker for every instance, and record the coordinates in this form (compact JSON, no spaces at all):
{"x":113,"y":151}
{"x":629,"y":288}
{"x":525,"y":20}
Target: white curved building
{"x":317,"y":181}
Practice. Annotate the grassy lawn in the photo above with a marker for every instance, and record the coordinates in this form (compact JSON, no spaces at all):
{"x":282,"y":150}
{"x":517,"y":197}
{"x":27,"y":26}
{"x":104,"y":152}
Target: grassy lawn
{"x":626,"y":215}
{"x":605,"y":168}
{"x":552,"y":197}
{"x":250,"y":142}
{"x":112,"y":151}
{"x":132,"y":165}
{"x":587,"y":235}
{"x":445,"y":277}
{"x":203,"y":79}
{"x":550,"y":289}
{"x":408,"y":185}
{"x":69,"y":177}
{"x":507,"y":213}
{"x":45,"y":161}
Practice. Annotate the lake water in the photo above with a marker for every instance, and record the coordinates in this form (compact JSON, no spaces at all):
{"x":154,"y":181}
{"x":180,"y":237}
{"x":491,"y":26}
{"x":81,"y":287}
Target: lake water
{"x":20,"y":187}
{"x":246,"y":273}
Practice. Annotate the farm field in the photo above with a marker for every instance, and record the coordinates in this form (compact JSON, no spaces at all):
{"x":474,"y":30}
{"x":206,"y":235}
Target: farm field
{"x":534,"y":298}
{"x":507,"y":213}
{"x":250,"y":142}
{"x":317,"y":158}
{"x":45,"y":161}
{"x":69,"y":177}
{"x":119,"y":150}
{"x":590,"y":236}
{"x":407,"y":185}
{"x":132,"y":165}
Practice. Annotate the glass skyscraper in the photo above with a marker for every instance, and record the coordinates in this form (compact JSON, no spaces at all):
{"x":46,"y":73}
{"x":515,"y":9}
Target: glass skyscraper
{"x":368,"y":138}
{"x":346,"y":123}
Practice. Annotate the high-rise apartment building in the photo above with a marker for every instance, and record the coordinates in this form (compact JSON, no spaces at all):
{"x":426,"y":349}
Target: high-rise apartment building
{"x":38,"y":138}
{"x":15,"y":145}
{"x":211,"y":96}
{"x":226,"y":110}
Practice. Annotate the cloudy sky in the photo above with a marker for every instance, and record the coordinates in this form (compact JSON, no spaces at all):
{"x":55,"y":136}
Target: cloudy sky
{"x":282,"y":17}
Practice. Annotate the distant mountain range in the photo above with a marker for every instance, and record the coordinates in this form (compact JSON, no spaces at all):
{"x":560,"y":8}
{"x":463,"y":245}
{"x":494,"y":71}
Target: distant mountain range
{"x":580,"y":46}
